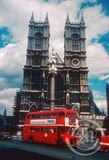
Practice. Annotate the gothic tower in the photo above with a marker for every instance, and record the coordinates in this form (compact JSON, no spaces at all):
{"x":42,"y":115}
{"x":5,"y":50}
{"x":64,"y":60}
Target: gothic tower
{"x":35,"y":80}
{"x":38,"y":43}
{"x":76,"y":84}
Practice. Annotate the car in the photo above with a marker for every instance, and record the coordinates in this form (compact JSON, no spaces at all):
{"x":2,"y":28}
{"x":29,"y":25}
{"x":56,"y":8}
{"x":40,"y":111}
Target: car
{"x":14,"y":137}
{"x":5,"y":136}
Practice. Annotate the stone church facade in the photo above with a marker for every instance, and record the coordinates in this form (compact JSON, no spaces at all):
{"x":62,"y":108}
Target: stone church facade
{"x":71,"y":80}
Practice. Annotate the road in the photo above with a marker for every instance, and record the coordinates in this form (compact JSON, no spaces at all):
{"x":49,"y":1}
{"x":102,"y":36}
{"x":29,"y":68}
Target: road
{"x":13,"y":150}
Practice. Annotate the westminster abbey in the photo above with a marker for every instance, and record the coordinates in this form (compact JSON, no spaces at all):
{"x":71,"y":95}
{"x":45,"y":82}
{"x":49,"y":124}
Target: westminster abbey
{"x":71,"y":80}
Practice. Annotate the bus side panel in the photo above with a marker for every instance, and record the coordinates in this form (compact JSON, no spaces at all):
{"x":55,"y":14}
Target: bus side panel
{"x":52,"y":135}
{"x":60,"y":120}
{"x":38,"y":136}
{"x":26,"y":133}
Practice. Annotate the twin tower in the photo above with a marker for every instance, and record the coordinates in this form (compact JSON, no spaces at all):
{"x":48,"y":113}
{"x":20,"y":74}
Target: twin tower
{"x":71,"y":88}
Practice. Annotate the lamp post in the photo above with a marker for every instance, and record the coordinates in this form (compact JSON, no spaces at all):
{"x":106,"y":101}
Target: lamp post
{"x":52,"y":72}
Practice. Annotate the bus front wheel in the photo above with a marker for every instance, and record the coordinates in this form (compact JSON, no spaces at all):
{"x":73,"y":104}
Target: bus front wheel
{"x":30,"y":139}
{"x":59,"y":141}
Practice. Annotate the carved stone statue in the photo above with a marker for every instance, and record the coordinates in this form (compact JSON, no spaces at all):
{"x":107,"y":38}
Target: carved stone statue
{"x":53,"y":66}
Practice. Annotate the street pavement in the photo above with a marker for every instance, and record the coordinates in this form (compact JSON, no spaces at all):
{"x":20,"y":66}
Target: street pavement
{"x":18,"y":150}
{"x":17,"y":154}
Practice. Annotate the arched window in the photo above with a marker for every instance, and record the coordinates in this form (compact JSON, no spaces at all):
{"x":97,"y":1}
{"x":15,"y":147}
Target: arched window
{"x":75,"y":41}
{"x":33,"y":107}
{"x":38,"y":40}
{"x":35,"y":60}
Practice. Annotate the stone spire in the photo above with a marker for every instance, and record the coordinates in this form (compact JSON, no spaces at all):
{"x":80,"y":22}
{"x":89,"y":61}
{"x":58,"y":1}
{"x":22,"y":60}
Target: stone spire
{"x":82,"y":19}
{"x":67,"y":19}
{"x":32,"y":18}
{"x":46,"y":18}
{"x":5,"y":113}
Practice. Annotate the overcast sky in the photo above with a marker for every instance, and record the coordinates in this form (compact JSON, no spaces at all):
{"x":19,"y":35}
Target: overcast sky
{"x":14,"y":19}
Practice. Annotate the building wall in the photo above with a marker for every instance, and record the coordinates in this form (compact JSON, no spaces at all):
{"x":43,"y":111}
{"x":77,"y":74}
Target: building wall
{"x":71,"y":87}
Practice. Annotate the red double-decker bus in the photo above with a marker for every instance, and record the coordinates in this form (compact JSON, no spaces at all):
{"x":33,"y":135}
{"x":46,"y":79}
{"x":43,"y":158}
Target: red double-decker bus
{"x":50,"y":127}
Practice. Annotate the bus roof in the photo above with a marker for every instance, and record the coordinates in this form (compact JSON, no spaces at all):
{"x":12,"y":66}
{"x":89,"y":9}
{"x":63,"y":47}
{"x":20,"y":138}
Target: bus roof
{"x":54,"y":111}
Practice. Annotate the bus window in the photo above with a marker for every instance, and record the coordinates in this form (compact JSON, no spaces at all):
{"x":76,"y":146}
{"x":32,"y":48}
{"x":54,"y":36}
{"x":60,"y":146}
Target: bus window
{"x":61,"y":114}
{"x":53,"y":115}
{"x":62,"y":129}
{"x":67,"y":130}
{"x":33,"y":116}
{"x":29,"y":116}
{"x":52,"y":130}
{"x":44,"y":115}
{"x":48,"y":115}
{"x":38,"y":115}
{"x":38,"y":129}
{"x":45,"y":130}
{"x":32,"y":129}
{"x":68,"y":115}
